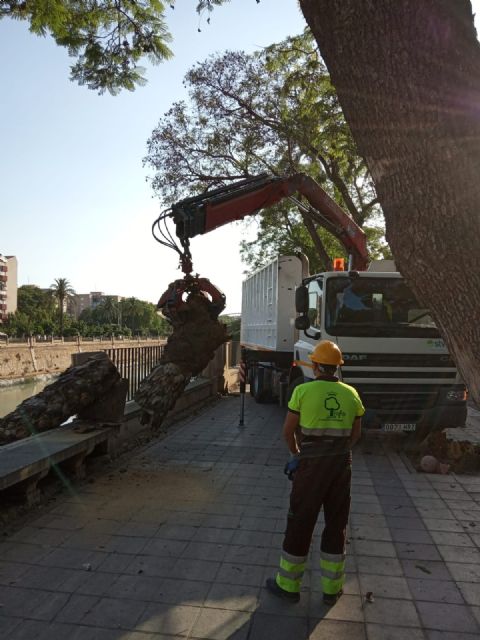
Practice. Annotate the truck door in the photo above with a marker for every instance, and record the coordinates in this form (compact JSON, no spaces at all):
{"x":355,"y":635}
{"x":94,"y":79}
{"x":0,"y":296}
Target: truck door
{"x":305,"y":344}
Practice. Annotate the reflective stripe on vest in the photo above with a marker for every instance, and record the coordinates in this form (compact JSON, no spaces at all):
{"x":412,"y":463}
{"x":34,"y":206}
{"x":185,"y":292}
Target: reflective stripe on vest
{"x":290,"y":573}
{"x":336,"y":432}
{"x":332,"y":567}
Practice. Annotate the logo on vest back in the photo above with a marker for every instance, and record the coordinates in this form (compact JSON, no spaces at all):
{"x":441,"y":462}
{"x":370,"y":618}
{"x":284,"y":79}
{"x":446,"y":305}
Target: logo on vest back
{"x":332,"y":405}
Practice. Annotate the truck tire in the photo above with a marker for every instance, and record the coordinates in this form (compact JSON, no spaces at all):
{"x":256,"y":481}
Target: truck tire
{"x":260,"y":392}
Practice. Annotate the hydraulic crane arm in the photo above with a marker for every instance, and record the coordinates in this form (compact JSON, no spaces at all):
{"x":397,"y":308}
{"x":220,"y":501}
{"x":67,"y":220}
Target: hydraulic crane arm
{"x":201,"y":214}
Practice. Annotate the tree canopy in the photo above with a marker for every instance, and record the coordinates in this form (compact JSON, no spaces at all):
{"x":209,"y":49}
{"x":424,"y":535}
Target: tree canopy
{"x":108,"y":39}
{"x":38,"y":314}
{"x":274,"y":111}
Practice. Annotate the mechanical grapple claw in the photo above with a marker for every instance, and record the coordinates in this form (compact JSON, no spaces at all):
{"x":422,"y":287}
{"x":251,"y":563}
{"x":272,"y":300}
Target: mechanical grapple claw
{"x":173,"y":299}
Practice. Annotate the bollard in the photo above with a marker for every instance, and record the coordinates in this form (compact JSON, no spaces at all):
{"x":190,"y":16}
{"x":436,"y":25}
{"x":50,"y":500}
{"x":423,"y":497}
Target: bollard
{"x":243,"y":383}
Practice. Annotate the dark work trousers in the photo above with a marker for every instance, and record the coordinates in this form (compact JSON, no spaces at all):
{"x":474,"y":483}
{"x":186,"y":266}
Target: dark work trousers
{"x":323,"y":481}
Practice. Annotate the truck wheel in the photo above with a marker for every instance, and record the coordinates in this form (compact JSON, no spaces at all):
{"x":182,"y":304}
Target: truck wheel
{"x":260,"y":391}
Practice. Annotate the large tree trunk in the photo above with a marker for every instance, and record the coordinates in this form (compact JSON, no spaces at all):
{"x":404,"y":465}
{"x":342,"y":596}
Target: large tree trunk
{"x":408,"y":78}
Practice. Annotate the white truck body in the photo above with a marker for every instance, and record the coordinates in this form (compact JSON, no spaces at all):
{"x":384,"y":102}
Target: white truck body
{"x":393,"y":353}
{"x":268,"y":309}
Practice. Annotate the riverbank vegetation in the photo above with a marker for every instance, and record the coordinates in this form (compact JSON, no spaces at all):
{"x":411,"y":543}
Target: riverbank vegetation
{"x":38,"y":313}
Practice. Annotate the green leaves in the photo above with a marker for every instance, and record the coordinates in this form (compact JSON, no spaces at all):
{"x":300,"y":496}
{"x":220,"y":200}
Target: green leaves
{"x":108,"y":38}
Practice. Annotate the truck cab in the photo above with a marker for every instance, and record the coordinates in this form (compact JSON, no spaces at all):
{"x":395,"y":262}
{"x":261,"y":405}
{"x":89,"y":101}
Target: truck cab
{"x":393,"y":353}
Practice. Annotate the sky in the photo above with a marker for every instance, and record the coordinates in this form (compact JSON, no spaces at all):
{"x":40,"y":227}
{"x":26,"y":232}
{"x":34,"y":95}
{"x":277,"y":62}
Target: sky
{"x":74,"y":199}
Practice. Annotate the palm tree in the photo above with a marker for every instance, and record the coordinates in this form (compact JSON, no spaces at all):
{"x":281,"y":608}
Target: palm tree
{"x":61,"y":290}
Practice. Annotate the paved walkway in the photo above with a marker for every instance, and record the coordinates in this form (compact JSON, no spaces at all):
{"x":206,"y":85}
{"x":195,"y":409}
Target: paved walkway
{"x":179,"y":543}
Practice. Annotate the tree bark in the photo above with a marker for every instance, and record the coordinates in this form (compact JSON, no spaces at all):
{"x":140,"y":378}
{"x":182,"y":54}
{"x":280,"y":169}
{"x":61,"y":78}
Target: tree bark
{"x":196,"y":335}
{"x":76,"y":388}
{"x":408,"y":79}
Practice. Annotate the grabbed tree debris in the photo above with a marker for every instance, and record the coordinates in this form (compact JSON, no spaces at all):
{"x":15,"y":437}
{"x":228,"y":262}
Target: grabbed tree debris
{"x":76,"y":388}
{"x":196,"y":335}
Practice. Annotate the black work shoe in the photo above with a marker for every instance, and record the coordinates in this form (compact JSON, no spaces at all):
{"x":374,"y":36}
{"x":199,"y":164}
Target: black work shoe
{"x":273,"y":587}
{"x":331,"y":598}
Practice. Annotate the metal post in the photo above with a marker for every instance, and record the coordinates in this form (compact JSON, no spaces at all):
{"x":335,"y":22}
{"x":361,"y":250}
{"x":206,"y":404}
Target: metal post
{"x":243,"y":384}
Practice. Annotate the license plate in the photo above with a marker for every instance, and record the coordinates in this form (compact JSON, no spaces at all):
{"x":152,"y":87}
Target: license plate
{"x":399,"y":426}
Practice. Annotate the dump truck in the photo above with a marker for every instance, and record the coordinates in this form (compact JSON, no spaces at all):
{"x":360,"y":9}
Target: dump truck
{"x":393,"y":353}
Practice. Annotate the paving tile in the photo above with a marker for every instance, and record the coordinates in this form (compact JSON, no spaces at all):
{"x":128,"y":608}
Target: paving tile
{"x":28,"y":553}
{"x":449,"y":635}
{"x":112,"y":613}
{"x":385,"y":632}
{"x":190,"y":569}
{"x":248,"y":554}
{"x":393,"y":612}
{"x":242,"y":574}
{"x":412,"y":536}
{"x":440,"y":524}
{"x":87,"y":540}
{"x":367,"y":508}
{"x":137,"y":529}
{"x":381,"y":566}
{"x":256,"y":538}
{"x":170,"y":620}
{"x":440,"y":591}
{"x":93,"y":583}
{"x":425,"y":569}
{"x":211,"y":534}
{"x":11,"y":572}
{"x":471,"y":592}
{"x":139,"y":587}
{"x":49,"y":578}
{"x":453,"y":539}
{"x":73,"y":558}
{"x":400,"y":522}
{"x":169,"y":548}
{"x":374,"y":548}
{"x":191,"y":592}
{"x":447,"y":617}
{"x":235,"y":597}
{"x":336,"y":630}
{"x":220,"y":624}
{"x":77,"y":607}
{"x":7,"y":625}
{"x":464,"y":572}
{"x":447,"y":514}
{"x":368,"y":519}
{"x":368,"y":532}
{"x":385,"y":586}
{"x":396,"y":501}
{"x":470,"y":555}
{"x":416,"y":551}
{"x":151,"y":566}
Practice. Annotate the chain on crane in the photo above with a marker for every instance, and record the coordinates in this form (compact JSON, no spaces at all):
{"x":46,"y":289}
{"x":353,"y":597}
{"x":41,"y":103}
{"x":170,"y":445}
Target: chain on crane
{"x":172,"y":300}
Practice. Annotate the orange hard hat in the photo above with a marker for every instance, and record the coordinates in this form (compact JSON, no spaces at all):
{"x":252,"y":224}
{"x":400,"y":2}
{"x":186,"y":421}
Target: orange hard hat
{"x":327,"y":352}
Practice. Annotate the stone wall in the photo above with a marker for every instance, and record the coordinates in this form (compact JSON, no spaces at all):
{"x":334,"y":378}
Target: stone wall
{"x":20,"y":361}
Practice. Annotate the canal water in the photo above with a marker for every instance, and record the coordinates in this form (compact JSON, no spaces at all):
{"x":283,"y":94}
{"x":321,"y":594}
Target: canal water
{"x":12,"y":396}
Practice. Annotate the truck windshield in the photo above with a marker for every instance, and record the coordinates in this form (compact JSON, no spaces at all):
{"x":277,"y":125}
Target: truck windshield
{"x":385,"y":307}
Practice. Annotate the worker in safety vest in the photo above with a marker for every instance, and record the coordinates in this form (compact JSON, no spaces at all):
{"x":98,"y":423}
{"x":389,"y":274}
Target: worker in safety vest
{"x":322,"y":424}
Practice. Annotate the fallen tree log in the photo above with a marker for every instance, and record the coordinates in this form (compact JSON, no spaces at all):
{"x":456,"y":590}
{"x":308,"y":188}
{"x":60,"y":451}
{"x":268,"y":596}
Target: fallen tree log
{"x":195,"y":337}
{"x":76,"y":388}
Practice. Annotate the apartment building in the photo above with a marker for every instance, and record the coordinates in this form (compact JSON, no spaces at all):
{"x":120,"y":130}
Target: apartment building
{"x":81,"y":301}
{"x":8,"y":286}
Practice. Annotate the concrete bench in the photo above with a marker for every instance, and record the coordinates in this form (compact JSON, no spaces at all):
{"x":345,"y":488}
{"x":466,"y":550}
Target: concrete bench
{"x":24,"y":463}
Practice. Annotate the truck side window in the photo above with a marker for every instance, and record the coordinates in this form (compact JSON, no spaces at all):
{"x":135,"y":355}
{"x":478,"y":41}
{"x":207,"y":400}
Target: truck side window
{"x":315,"y":294}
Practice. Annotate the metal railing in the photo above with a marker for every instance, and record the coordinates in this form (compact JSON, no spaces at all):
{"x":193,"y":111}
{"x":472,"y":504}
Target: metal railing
{"x":135,"y":363}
